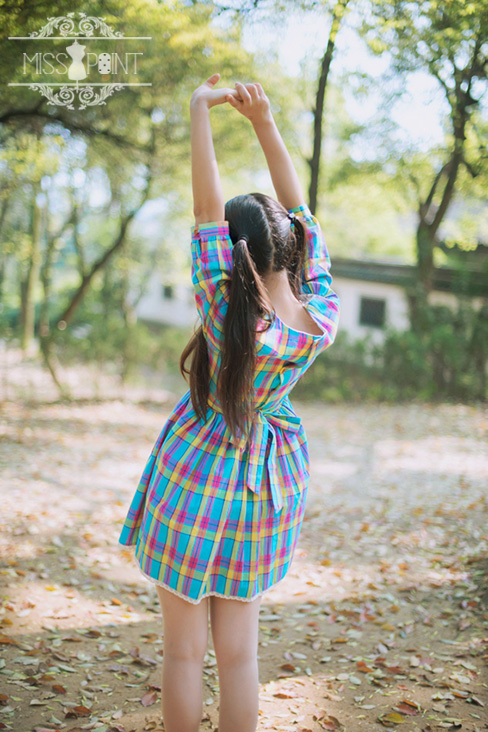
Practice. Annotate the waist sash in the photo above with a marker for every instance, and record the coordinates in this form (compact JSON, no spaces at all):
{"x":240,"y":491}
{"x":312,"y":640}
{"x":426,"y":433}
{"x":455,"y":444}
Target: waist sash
{"x":263,"y":426}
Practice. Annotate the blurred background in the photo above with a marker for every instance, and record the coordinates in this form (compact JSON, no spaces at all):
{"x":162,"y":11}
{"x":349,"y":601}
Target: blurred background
{"x":384,"y":109}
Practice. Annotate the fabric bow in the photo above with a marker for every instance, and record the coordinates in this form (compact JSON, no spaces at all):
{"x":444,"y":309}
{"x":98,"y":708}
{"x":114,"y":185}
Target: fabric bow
{"x":263,"y":426}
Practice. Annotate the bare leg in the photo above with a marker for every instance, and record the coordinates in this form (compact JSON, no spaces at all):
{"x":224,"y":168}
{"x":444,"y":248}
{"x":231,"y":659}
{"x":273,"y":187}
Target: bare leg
{"x":185,"y":644}
{"x":235,"y":638}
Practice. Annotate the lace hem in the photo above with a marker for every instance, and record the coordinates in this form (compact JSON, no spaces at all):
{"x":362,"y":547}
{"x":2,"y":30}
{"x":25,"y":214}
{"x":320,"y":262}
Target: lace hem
{"x":207,"y":594}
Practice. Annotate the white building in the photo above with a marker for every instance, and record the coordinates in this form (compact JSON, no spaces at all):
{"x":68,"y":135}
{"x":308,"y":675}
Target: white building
{"x":167,"y":303}
{"x":372,"y":294}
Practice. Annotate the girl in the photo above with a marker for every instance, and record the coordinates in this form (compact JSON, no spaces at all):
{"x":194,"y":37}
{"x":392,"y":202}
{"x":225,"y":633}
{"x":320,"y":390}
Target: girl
{"x":218,"y":511}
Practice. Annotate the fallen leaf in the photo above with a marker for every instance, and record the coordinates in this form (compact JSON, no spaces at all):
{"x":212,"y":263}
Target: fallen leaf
{"x":391,"y":718}
{"x":330,"y":723}
{"x":78,"y":711}
{"x":149,"y":698}
{"x":5,"y":639}
{"x":407,"y":706}
{"x":475,"y":700}
{"x":361,"y":666}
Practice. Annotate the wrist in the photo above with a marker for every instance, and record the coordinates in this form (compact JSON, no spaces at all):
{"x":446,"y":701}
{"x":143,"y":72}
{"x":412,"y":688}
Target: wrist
{"x":198,"y":104}
{"x":266,"y":121}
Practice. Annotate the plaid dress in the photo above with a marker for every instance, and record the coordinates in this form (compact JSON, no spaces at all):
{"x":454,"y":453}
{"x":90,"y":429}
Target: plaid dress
{"x":212,"y":515}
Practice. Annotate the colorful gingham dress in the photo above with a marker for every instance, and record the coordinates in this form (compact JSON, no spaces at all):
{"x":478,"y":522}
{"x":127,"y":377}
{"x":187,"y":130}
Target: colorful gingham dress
{"x":212,"y":516}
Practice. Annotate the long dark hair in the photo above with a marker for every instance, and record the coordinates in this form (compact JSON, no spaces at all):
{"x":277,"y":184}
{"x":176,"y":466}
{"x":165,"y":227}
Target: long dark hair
{"x":264,"y":240}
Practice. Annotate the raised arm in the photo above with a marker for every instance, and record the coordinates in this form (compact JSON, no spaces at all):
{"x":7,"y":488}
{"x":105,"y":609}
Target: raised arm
{"x":208,"y":199}
{"x":253,"y":103}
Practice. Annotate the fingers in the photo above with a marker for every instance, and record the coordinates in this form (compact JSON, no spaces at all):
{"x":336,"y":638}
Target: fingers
{"x":254,"y":91}
{"x":246,"y":98}
{"x":213,"y":79}
{"x":233,"y":101}
{"x":243,"y":92}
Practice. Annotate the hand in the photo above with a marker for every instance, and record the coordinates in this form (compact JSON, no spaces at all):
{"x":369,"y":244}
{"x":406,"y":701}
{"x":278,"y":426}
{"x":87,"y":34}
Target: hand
{"x":208,"y":96}
{"x":251,"y":101}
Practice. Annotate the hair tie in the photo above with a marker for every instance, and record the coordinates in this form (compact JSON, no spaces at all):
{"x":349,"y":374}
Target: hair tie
{"x":244,"y":239}
{"x":292,"y":219}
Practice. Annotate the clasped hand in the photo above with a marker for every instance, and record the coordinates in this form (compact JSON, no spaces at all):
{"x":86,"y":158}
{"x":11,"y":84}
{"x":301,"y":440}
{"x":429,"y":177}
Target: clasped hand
{"x":249,"y":99}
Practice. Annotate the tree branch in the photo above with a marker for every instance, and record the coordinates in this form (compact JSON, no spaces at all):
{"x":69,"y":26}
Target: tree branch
{"x":87,"y":130}
{"x":428,"y":201}
{"x":318,"y":112}
{"x":447,"y":193}
{"x":104,"y":258}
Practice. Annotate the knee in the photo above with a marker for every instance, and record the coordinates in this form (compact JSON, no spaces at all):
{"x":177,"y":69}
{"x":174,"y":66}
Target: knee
{"x":185,"y":628}
{"x":181,"y":654}
{"x":185,"y":649}
{"x":231,"y":655}
{"x":235,"y":632}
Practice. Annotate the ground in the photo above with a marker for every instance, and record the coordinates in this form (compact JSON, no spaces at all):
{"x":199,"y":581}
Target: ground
{"x":381,"y":622}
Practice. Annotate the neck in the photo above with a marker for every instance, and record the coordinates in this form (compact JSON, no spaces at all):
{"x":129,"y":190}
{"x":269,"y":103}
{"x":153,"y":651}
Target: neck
{"x":277,"y":284}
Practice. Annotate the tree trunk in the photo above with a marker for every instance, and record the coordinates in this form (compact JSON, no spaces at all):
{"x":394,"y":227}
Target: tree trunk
{"x":425,"y":256}
{"x":86,"y":280}
{"x":107,"y":292}
{"x":318,"y":112}
{"x":46,"y":287}
{"x":129,"y":354}
{"x":3,"y":264}
{"x":50,"y":361}
{"x":28,"y":286}
{"x":3,"y":261}
{"x":431,"y":216}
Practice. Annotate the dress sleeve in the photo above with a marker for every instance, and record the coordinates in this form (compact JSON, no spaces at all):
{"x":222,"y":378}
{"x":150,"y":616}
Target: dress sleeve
{"x":316,"y":277}
{"x":211,"y":269}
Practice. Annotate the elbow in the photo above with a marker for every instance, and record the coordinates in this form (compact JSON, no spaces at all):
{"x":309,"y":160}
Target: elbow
{"x":334,"y":312}
{"x":209,"y":208}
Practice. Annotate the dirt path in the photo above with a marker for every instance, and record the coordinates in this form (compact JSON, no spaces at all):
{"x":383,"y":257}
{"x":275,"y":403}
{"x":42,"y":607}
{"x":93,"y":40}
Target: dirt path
{"x":383,"y":614}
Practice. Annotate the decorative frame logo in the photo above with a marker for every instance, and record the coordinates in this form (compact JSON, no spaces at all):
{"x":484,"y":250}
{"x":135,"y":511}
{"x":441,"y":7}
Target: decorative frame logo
{"x":106,"y":63}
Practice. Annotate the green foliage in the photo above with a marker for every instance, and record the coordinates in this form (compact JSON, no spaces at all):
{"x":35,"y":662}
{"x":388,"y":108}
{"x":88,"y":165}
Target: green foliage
{"x":446,"y":40}
{"x":365,"y":215}
{"x":90,"y":167}
{"x":8,"y":321}
{"x":433,"y":33}
{"x":102,"y":335}
{"x":449,"y":361}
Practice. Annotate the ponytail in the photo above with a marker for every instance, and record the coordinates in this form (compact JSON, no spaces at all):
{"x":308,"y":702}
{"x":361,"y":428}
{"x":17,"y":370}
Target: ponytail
{"x":277,"y":241}
{"x":248,"y":302}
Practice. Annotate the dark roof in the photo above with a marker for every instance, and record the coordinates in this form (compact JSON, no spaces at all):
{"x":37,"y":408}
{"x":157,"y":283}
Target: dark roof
{"x":470,"y":282}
